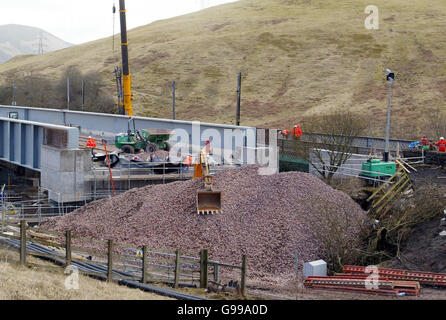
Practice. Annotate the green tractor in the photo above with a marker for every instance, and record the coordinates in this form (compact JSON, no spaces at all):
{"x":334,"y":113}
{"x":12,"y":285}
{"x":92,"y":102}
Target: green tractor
{"x":148,"y":140}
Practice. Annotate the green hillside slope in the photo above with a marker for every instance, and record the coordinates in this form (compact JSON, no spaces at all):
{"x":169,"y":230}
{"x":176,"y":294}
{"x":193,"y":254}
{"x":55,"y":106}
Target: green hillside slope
{"x":297,"y":57}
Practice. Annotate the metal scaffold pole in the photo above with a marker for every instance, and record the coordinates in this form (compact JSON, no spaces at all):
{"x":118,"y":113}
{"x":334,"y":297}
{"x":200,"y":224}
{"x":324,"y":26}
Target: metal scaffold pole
{"x":390,"y":79}
{"x":3,"y":208}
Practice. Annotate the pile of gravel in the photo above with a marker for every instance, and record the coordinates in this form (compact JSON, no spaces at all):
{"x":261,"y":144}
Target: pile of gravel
{"x":269,"y":218}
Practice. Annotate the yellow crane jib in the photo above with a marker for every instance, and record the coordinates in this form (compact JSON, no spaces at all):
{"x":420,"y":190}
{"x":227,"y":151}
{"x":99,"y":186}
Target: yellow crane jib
{"x":128,"y":97}
{"x":127,"y":81}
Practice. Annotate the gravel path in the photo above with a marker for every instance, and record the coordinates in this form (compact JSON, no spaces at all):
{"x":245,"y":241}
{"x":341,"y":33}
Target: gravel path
{"x":269,"y":218}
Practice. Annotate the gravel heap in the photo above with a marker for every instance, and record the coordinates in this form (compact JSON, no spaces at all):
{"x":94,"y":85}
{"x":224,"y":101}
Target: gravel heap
{"x":269,"y":218}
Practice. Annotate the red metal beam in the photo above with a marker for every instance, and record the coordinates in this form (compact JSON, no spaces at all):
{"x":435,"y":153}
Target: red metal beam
{"x":428,"y":278}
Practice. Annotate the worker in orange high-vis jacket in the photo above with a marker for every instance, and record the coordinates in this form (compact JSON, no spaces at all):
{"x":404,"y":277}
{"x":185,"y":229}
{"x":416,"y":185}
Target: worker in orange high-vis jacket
{"x":441,"y":144}
{"x":91,"y":144}
{"x":208,"y":147}
{"x":285,"y":133}
{"x":297,"y":132}
{"x":187,"y":163}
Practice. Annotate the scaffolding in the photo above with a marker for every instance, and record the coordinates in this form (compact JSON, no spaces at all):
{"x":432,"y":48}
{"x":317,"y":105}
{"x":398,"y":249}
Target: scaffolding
{"x":37,"y":208}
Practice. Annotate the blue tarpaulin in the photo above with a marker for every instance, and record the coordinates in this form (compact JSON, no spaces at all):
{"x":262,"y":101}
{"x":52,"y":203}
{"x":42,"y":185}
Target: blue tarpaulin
{"x":414,"y":144}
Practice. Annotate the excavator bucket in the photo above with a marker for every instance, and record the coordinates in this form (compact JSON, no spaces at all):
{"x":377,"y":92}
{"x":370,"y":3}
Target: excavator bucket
{"x":208,"y":202}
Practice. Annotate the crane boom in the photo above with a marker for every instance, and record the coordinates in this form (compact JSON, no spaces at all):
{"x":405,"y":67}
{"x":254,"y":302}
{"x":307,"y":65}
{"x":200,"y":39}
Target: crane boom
{"x":126,"y":78}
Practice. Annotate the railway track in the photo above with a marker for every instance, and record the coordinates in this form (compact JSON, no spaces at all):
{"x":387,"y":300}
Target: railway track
{"x":119,"y":276}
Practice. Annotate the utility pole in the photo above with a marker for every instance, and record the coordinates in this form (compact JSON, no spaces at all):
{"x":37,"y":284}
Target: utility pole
{"x":114,"y":14}
{"x":83,"y":94}
{"x":239,"y":92}
{"x":40,"y":44}
{"x":14,"y":103}
{"x":173,"y":100}
{"x":68,"y":93}
{"x":390,"y":79}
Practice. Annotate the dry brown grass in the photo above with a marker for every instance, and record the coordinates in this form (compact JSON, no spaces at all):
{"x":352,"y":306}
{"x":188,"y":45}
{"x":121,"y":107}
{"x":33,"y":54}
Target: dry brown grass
{"x":297,"y":58}
{"x":33,"y":283}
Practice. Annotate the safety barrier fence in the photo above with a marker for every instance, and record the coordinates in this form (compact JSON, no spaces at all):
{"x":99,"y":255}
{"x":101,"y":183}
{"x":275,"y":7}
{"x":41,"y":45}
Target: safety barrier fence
{"x":360,"y":142}
{"x":133,"y":176}
{"x":37,"y":208}
{"x":293,"y":146}
{"x":353,"y":166}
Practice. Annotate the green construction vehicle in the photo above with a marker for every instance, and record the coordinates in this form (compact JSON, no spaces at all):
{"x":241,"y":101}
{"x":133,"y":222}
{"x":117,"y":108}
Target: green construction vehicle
{"x":378,"y":169}
{"x":147,"y":140}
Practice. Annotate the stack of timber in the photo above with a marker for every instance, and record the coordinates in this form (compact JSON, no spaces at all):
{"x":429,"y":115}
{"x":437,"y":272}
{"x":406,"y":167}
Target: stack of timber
{"x":384,"y":196}
{"x":378,"y":285}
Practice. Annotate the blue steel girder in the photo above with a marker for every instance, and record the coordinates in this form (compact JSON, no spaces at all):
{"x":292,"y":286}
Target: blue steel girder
{"x":21,"y":141}
{"x":108,"y":125}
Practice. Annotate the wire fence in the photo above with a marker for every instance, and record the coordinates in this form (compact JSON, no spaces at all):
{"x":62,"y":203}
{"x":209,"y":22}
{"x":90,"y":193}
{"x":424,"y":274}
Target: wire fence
{"x":353,"y":168}
{"x":117,"y":261}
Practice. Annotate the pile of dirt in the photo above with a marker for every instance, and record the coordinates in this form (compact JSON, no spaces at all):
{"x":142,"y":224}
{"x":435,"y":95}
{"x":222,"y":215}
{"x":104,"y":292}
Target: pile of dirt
{"x":424,"y":250}
{"x":426,"y":175}
{"x":267,"y":217}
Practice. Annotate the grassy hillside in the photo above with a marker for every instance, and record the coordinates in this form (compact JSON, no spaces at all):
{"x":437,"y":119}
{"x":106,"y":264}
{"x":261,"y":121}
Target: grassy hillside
{"x":297,"y":57}
{"x":36,"y":283}
{"x":18,"y":40}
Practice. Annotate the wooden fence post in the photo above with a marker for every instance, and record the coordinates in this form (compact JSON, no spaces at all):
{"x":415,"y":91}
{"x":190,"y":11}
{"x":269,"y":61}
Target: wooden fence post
{"x":216,"y":272}
{"x":177,"y":268}
{"x":201,"y":268}
{"x":23,"y":242}
{"x":204,"y":254}
{"x":3,"y":218}
{"x":67,"y":248}
{"x":110,"y":261}
{"x":243,"y":280}
{"x":144,"y":264}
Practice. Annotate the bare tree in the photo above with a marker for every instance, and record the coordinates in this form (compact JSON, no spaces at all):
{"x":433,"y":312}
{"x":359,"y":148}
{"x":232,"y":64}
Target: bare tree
{"x":331,"y":143}
{"x":5,"y":94}
{"x":436,"y":123}
{"x":75,"y":76}
{"x":339,"y":234}
{"x":95,"y":97}
{"x":35,"y":91}
{"x":43,"y":92}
